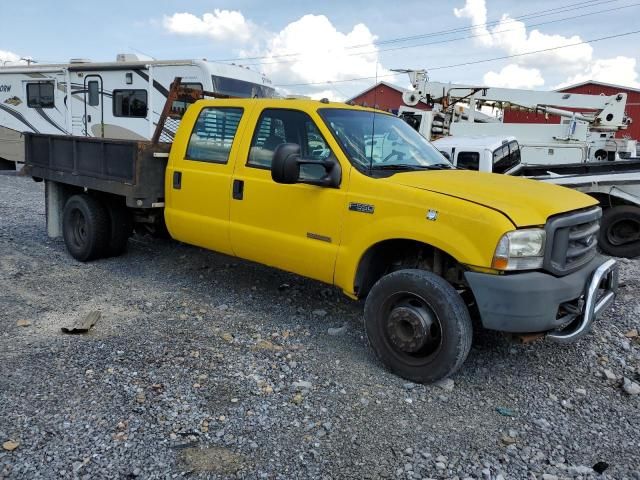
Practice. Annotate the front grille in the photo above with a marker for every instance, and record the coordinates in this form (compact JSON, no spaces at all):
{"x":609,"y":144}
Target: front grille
{"x":571,"y":240}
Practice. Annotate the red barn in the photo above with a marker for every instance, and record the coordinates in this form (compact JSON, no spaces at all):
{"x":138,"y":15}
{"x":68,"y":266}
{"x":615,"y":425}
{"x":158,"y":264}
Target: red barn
{"x":590,"y":88}
{"x":383,"y":96}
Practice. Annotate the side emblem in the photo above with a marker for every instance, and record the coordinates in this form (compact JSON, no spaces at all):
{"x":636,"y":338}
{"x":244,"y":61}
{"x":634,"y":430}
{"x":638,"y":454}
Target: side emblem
{"x":361,"y":207}
{"x":15,"y":101}
{"x":432,"y":215}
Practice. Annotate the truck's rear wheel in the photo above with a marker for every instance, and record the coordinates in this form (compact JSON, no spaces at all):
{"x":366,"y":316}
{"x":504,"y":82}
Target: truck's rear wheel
{"x":620,"y":231}
{"x":85,"y":227}
{"x":121,"y":228}
{"x":418,"y":325}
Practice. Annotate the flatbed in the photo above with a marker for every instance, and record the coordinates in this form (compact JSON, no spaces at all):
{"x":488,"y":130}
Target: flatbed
{"x":132,"y":169}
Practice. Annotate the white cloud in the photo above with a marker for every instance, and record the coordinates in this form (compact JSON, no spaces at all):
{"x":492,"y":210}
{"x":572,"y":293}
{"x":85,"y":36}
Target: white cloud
{"x":514,"y":76}
{"x":220,"y":25}
{"x":324,"y":53}
{"x":476,"y":11}
{"x":619,"y":70}
{"x":512,"y":36}
{"x":331,"y":95}
{"x":9,"y":58}
{"x":308,"y":50}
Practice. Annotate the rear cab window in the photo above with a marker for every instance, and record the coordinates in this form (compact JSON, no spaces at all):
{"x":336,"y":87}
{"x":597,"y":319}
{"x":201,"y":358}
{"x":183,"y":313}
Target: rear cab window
{"x":506,"y":157}
{"x":180,"y":105}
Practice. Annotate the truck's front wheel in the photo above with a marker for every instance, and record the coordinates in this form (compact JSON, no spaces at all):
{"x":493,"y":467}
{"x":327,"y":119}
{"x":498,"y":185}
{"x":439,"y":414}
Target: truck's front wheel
{"x":418,"y":325}
{"x":85,"y":227}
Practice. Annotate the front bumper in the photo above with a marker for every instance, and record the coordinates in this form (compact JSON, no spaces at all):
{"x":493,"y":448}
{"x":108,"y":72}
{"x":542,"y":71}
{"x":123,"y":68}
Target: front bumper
{"x":539,"y":302}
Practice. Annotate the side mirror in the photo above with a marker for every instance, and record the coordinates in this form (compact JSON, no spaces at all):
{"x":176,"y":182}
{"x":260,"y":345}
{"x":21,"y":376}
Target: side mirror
{"x":286,"y":162}
{"x":285,"y":165}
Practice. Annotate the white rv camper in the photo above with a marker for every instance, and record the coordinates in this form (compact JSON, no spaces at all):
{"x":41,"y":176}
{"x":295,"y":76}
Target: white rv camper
{"x":121,"y":99}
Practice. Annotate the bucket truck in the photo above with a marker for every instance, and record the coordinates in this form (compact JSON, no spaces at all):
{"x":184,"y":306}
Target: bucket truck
{"x":586,"y":133}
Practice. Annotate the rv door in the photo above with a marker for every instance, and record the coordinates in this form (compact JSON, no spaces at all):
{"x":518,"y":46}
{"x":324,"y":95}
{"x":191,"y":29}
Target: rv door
{"x":93,"y":106}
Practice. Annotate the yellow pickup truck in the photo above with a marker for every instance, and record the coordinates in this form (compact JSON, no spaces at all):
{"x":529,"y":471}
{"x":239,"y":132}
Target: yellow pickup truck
{"x":302,"y":186}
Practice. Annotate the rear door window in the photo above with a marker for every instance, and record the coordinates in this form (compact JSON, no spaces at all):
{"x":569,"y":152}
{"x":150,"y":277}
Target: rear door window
{"x":213,"y":134}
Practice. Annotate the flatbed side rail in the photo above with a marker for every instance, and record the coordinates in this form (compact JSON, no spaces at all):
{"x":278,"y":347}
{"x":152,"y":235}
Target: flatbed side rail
{"x":121,"y":167}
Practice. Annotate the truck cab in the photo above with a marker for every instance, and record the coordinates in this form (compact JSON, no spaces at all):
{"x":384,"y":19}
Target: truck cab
{"x":484,"y":154}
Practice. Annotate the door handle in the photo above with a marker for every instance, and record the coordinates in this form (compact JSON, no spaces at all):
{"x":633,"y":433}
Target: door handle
{"x":177,"y":180}
{"x":238,"y":189}
{"x":89,"y":118}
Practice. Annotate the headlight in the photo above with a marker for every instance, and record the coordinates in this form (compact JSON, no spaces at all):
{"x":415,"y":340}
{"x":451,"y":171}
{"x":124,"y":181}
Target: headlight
{"x":520,"y":250}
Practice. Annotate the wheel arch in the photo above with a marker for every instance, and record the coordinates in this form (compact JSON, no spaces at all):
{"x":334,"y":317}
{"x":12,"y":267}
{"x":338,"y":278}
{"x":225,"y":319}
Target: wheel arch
{"x":396,"y":253}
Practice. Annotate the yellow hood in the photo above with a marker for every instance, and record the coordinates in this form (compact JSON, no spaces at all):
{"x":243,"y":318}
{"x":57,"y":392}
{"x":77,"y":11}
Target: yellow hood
{"x":525,"y":202}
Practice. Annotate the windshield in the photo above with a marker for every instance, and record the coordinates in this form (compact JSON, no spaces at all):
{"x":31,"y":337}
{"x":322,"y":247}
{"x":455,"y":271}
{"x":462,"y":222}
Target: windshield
{"x":374,"y":140}
{"x":240,"y":88}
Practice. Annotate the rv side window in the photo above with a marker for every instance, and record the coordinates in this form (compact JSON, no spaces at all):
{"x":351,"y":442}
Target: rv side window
{"x":240,"y":88}
{"x":213,"y":134}
{"x":94,"y":93}
{"x":130,"y":103}
{"x":468,"y":160}
{"x":40,"y":95}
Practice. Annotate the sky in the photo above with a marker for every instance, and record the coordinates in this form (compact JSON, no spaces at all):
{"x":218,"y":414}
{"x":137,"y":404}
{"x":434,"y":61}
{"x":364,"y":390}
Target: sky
{"x":320,"y":48}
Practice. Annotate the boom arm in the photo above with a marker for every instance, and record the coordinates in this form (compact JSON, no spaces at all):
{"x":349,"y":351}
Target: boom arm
{"x":601,"y":112}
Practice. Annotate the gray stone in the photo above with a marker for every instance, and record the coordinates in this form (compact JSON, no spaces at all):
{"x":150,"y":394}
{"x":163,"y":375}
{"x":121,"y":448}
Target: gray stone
{"x":302,"y":385}
{"x":446,"y":384}
{"x":334,"y":332}
{"x":630,"y":387}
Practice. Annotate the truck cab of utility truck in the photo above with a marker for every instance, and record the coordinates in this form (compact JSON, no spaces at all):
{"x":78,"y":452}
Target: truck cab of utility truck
{"x":482,"y":154}
{"x":356,"y":198}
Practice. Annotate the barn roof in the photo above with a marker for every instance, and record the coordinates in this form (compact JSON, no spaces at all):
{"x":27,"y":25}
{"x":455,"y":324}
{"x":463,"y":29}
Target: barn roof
{"x":386,"y":84}
{"x":602,"y":84}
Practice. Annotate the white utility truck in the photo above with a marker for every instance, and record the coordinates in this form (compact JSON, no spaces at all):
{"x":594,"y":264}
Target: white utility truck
{"x":119,"y":100}
{"x":587,"y":132}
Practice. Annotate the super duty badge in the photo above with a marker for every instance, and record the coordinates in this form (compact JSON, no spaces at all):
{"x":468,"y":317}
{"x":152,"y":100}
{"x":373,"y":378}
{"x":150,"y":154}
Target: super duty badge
{"x":361,"y":207}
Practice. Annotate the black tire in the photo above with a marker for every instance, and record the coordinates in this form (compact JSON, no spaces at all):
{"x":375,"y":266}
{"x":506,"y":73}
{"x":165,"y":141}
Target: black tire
{"x":121,"y":228}
{"x":620,"y":231}
{"x":85,"y":227}
{"x":418,"y":325}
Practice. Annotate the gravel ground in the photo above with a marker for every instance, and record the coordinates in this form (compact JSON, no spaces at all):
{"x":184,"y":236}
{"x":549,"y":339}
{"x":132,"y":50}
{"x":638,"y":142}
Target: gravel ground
{"x":210,"y":367}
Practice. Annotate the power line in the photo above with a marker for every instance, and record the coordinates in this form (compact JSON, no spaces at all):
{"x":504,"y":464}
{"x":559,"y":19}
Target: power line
{"x":449,"y":40}
{"x":540,"y":13}
{"x":535,"y":14}
{"x":442,"y":67}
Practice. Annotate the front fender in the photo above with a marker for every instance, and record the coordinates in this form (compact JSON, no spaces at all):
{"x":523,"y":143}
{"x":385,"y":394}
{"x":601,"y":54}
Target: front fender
{"x":466,"y":231}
